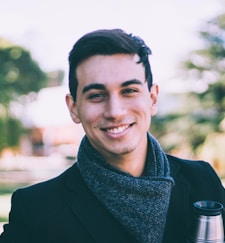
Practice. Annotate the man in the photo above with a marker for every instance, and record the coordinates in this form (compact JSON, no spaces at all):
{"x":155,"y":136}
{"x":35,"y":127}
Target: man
{"x":123,"y":187}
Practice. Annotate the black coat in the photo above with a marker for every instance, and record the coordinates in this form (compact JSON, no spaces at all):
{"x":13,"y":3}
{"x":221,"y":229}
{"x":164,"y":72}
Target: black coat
{"x":63,"y":210}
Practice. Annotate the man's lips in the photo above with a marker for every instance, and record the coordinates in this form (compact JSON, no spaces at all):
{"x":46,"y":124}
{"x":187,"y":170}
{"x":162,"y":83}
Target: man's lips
{"x":116,"y":130}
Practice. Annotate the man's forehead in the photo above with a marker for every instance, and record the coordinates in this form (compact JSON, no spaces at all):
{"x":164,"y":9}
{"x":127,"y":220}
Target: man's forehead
{"x":95,"y":58}
{"x":110,"y":69}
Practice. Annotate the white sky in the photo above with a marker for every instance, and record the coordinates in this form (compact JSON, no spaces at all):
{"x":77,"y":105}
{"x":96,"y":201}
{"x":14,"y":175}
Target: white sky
{"x":49,"y":28}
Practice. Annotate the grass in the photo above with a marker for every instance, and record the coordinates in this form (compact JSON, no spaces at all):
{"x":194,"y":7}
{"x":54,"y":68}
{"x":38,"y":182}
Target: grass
{"x":10,"y":188}
{"x":3,"y":219}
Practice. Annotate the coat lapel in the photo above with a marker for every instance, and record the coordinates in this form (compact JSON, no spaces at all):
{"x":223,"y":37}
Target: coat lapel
{"x":92,"y":214}
{"x":178,"y":212}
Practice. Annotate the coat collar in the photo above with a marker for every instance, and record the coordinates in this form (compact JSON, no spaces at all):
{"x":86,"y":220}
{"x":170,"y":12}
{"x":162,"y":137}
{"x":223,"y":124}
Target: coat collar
{"x":91,"y":213}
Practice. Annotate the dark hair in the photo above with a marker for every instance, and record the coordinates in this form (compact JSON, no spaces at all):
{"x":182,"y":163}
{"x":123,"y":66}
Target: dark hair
{"x":107,"y":42}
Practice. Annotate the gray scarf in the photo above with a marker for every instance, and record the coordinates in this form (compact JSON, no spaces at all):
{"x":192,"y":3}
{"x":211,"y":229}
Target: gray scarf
{"x":140,"y":204}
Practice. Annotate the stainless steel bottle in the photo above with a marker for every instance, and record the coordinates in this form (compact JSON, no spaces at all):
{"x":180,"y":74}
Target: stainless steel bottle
{"x":207,"y":223}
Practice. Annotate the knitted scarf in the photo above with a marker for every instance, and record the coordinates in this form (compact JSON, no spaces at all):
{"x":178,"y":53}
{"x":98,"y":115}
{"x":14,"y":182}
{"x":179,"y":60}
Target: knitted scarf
{"x":140,"y":204}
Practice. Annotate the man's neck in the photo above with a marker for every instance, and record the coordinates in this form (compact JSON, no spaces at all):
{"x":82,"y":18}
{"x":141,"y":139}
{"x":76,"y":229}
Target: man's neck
{"x":129,"y":163}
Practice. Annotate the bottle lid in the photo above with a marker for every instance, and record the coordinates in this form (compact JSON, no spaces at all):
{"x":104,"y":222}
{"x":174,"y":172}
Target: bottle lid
{"x":208,"y":208}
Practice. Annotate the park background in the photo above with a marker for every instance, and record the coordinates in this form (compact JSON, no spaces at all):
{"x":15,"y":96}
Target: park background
{"x":37,"y":138}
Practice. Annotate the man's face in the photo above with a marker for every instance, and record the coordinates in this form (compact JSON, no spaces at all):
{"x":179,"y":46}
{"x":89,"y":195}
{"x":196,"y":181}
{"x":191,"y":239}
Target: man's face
{"x":114,"y":104}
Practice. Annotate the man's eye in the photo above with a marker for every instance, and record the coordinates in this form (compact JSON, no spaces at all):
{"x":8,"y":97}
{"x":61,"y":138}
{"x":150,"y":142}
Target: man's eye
{"x":96,"y":96}
{"x":130,"y":91}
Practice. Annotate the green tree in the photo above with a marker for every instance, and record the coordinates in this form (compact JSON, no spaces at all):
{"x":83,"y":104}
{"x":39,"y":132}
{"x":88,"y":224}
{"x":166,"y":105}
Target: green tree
{"x":206,"y":69}
{"x":19,"y":75}
{"x":202,"y":110}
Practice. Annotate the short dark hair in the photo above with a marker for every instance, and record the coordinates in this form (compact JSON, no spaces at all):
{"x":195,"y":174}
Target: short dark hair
{"x":107,"y":42}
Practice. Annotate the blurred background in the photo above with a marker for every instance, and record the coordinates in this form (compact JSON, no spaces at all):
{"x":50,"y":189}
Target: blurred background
{"x":37,"y":138}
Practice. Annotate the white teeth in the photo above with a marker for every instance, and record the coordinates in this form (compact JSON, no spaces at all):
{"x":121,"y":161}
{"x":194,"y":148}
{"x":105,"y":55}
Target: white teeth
{"x":117,"y":129}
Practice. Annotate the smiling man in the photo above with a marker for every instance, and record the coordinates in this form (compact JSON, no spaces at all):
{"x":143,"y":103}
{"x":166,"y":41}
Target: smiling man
{"x":123,"y":188}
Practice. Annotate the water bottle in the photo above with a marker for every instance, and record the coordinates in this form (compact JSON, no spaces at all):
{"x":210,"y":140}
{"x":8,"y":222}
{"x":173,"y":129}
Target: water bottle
{"x":207,"y":225}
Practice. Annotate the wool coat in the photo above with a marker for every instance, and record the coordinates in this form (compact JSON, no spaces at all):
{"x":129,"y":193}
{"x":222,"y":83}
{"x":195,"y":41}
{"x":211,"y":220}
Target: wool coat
{"x":64,"y":210}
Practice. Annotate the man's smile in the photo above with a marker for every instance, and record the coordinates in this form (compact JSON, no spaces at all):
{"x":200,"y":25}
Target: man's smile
{"x":116,"y":130}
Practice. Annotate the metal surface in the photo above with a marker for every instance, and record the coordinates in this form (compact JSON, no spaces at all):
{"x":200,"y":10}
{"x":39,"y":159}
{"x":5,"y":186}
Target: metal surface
{"x":207,"y":225}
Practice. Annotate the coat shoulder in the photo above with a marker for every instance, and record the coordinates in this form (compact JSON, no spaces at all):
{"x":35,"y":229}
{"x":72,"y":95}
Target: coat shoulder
{"x":198,"y":175}
{"x":46,"y":191}
{"x":190,"y":166}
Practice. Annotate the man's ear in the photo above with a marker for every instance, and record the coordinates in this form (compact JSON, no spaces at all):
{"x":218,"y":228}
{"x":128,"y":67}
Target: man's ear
{"x":154,"y":91}
{"x":71,"y":105}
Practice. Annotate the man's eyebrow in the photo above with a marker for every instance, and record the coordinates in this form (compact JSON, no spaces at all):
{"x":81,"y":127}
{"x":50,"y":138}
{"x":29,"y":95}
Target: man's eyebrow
{"x":93,"y":86}
{"x":130,"y":82}
{"x":102,"y":86}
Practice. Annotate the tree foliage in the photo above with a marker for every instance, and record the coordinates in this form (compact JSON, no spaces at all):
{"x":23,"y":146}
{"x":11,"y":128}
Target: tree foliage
{"x":207,"y":68}
{"x":204,"y":106}
{"x":19,"y":73}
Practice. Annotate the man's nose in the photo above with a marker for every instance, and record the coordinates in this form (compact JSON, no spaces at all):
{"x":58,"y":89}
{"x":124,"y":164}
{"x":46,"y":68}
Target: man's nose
{"x":115,"y":107}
